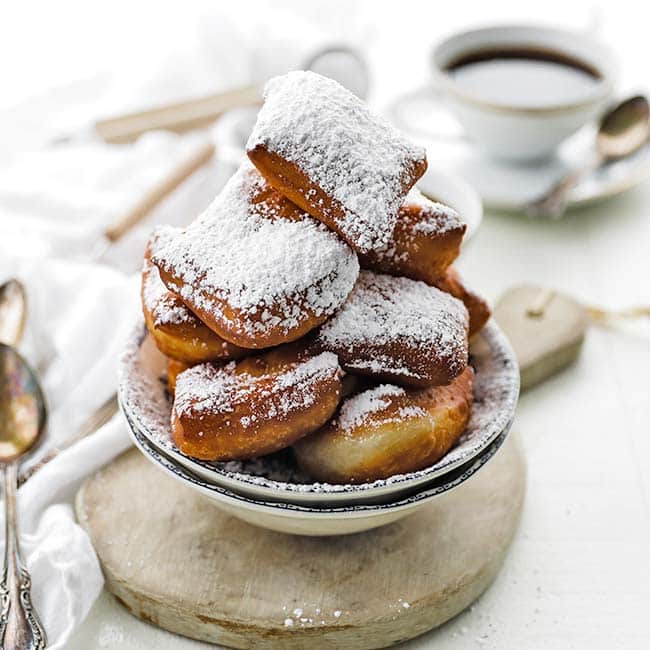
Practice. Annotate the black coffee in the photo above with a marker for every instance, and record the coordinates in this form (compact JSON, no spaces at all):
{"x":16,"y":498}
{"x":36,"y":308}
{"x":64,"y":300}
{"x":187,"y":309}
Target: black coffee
{"x":524,"y":77}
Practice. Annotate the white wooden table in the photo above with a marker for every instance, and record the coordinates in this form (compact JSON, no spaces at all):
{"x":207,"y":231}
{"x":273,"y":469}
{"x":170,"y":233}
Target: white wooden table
{"x":578,"y":574}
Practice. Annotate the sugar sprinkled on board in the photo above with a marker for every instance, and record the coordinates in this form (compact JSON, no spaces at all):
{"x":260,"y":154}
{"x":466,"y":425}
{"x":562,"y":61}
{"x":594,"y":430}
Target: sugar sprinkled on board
{"x":353,"y":155}
{"x":275,"y":271}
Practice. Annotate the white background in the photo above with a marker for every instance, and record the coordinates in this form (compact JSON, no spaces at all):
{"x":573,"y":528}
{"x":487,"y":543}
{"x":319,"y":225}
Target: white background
{"x":578,"y":574}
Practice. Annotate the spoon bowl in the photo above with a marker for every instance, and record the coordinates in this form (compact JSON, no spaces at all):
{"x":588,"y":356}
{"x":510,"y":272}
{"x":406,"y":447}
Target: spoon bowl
{"x":624,"y":128}
{"x":13,"y":311}
{"x":22,"y":406}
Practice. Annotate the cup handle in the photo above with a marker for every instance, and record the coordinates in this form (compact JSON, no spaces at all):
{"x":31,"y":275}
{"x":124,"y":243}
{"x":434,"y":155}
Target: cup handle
{"x":427,"y":94}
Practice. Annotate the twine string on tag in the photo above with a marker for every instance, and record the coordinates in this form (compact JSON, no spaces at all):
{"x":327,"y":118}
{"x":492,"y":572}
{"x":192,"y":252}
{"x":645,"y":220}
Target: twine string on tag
{"x":597,"y":315}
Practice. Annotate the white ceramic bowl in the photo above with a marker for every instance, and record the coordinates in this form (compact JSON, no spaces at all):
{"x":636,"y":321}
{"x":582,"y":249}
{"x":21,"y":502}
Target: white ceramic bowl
{"x":524,"y":132}
{"x":298,"y":519}
{"x":145,"y":401}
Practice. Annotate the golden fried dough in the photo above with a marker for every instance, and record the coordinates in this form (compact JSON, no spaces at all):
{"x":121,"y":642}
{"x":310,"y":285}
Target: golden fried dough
{"x":478,"y":309}
{"x":388,"y":430}
{"x":174,"y":368}
{"x":177,"y":332}
{"x":425,"y":241}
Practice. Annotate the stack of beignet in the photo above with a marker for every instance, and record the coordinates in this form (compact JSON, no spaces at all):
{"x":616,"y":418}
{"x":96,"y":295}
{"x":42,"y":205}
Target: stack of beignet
{"x":313,"y":303}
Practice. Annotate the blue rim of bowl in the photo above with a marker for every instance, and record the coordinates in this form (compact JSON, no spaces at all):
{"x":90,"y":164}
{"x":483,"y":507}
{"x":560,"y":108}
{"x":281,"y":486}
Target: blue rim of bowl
{"x":453,"y":480}
{"x":500,"y":424}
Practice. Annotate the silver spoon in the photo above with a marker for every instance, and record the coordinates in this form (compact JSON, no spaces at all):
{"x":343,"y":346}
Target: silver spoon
{"x":13,"y":315}
{"x":622,"y":131}
{"x":13,"y":311}
{"x":22,"y":423}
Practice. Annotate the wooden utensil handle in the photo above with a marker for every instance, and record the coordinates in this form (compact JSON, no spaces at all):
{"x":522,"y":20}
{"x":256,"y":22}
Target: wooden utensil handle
{"x":177,"y":117}
{"x":148,"y":202}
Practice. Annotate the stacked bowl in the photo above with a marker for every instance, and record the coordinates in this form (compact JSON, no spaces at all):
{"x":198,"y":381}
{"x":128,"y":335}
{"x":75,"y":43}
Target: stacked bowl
{"x":271,"y":492}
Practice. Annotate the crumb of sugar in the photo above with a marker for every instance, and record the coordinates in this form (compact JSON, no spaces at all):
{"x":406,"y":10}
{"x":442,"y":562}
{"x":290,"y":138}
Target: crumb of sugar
{"x":274,"y":270}
{"x":353,"y":155}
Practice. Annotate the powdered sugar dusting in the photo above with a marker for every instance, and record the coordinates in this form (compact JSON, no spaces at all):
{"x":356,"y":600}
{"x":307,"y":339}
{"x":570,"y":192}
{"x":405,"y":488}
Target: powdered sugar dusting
{"x":210,"y":389}
{"x":436,"y":218}
{"x":384,"y":404}
{"x":355,"y":410}
{"x":353,"y":155}
{"x":272,"y":269}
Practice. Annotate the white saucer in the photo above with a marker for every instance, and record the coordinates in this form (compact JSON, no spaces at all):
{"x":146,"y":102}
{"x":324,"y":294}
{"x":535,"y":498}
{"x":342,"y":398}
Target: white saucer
{"x":508,"y":186}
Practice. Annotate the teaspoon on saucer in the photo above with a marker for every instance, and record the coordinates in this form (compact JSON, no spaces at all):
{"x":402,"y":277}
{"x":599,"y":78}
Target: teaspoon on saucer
{"x":622,"y":131}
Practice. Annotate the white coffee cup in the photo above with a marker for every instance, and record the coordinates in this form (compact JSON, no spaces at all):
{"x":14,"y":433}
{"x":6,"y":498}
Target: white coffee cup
{"x":521,"y":131}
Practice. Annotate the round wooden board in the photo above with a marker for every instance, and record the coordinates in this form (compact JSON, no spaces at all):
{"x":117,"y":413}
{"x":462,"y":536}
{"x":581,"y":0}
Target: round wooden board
{"x":173,"y":559}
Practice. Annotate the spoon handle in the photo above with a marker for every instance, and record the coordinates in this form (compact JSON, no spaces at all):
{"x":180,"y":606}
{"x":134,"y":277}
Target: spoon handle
{"x":554,"y":201}
{"x":20,"y":627}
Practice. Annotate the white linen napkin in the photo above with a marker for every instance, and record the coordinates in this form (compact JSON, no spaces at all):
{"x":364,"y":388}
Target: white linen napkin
{"x":57,"y":201}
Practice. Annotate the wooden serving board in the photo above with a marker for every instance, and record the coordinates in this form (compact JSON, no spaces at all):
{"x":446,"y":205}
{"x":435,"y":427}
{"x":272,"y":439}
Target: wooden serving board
{"x":173,"y":559}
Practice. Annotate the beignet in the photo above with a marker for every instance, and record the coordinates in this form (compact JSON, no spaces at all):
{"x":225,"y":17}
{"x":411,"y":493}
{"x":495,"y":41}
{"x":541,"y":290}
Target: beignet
{"x":177,"y":332}
{"x":321,"y":147}
{"x":256,"y":406}
{"x":478,"y":309}
{"x":398,"y":330}
{"x":425,"y":241}
{"x":174,"y":368}
{"x":388,"y":430}
{"x":255,"y":268}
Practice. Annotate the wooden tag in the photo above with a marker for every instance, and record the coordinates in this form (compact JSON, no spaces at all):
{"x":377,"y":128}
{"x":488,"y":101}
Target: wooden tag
{"x":546,"y":329}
